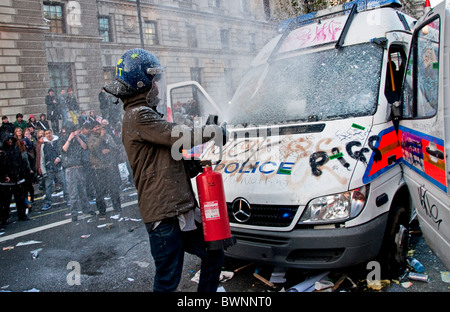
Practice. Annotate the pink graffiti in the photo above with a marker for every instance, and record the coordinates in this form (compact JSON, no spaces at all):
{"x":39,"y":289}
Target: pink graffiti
{"x":304,"y":37}
{"x":327,"y":32}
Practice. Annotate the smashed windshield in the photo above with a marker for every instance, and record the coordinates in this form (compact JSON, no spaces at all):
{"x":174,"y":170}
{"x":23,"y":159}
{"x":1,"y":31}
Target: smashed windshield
{"x":326,"y":85}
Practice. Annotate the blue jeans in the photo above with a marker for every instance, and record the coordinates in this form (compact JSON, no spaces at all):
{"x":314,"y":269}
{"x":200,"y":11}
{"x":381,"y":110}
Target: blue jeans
{"x":76,"y":189}
{"x":168,"y":244}
{"x":50,"y":179}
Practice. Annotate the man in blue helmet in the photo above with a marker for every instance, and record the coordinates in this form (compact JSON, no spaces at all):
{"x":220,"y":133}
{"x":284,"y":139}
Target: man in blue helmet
{"x":165,"y":197}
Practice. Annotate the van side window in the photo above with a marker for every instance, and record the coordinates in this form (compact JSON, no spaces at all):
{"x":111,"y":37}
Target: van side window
{"x":394,"y":76}
{"x":421,"y":89}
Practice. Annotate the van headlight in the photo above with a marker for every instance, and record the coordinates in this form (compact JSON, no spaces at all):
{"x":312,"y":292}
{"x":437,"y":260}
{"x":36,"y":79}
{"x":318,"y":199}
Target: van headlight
{"x":335,"y":208}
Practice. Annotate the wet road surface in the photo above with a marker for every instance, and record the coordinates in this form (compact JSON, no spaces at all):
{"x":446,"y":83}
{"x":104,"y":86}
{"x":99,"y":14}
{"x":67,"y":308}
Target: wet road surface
{"x":51,"y":253}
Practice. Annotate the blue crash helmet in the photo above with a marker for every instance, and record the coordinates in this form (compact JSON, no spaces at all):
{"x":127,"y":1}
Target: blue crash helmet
{"x":136,"y":72}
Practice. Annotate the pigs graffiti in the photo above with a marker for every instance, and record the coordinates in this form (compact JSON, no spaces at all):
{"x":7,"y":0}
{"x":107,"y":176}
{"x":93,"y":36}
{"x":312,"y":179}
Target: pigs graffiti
{"x":320,"y":158}
{"x":316,"y":160}
{"x":359,"y":154}
{"x":247,"y":150}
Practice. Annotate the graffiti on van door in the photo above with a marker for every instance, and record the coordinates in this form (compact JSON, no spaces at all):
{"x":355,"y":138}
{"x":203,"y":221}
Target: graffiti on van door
{"x":425,"y":155}
{"x":299,"y":158}
{"x":431,"y":210}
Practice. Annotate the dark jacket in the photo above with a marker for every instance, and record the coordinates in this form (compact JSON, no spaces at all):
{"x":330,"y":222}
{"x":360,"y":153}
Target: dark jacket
{"x":12,"y":163}
{"x":74,"y":155}
{"x":164,"y":188}
{"x":51,"y":151}
{"x":72,"y":103}
{"x":53,"y":111}
{"x":7,"y":127}
{"x":97,"y":144}
{"x":43,"y":125}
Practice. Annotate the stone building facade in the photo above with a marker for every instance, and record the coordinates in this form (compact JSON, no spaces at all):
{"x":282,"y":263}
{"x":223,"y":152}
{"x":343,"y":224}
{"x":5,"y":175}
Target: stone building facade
{"x":60,"y":43}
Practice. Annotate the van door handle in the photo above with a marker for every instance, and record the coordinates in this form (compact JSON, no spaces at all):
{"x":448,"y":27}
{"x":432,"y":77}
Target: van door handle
{"x":435,"y":152}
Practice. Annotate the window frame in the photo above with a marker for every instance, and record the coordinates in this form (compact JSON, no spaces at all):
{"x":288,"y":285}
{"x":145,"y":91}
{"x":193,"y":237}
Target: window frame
{"x":412,"y":67}
{"x":151,"y":39}
{"x":60,"y":22}
{"x":109,"y":30}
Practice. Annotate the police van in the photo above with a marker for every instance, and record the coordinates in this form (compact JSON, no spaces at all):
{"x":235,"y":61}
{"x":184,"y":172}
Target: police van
{"x":337,"y":139}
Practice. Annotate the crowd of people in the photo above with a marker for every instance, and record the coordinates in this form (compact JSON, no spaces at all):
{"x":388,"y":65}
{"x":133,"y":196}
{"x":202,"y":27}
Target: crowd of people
{"x":70,"y":151}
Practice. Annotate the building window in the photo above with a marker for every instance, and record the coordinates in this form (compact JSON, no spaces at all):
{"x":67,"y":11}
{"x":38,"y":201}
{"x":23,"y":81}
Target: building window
{"x":214,"y":3}
{"x":252,"y":42}
{"x":53,"y":13}
{"x":108,"y":75}
{"x":104,"y":29}
{"x":224,"y":38}
{"x":60,"y":77}
{"x":244,"y":6}
{"x":151,"y":37}
{"x":191,"y":36}
{"x":185,"y":3}
{"x":266,"y":4}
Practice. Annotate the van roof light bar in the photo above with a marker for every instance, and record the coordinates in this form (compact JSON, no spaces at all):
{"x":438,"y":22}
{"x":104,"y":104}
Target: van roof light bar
{"x":345,"y":8}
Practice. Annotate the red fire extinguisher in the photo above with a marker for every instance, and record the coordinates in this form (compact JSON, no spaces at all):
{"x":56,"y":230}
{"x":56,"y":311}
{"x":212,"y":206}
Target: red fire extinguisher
{"x":216,"y":226}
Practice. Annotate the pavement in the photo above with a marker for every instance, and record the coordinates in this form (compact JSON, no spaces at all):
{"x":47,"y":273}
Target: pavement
{"x":51,"y":253}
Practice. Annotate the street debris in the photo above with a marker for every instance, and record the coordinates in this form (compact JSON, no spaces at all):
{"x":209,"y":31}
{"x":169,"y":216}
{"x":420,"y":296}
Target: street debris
{"x":262,"y":279}
{"x":142,"y":264}
{"x":278,"y":276}
{"x":406,"y":284}
{"x":35,"y":253}
{"x":378,"y":284}
{"x":324,"y":286}
{"x":418,"y":277}
{"x":85,"y":236}
{"x":243,"y":267}
{"x":308,"y":285}
{"x":115,"y":217}
{"x":28,"y":243}
{"x":107,"y":225}
{"x":416,"y":265}
{"x":224,"y":276}
{"x":445,"y":276}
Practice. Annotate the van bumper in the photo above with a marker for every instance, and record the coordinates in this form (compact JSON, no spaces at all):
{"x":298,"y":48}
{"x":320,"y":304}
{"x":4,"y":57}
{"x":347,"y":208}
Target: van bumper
{"x":311,"y":248}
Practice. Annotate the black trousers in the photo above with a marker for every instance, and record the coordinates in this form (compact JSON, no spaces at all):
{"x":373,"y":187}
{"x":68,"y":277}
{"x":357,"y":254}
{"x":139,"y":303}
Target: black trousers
{"x":6,"y":193}
{"x":107,"y":181}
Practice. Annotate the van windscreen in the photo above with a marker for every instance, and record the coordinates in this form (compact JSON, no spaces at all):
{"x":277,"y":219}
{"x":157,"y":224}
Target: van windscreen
{"x":326,"y":85}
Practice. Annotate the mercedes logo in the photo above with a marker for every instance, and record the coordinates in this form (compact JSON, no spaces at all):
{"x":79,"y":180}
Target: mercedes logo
{"x":241,"y":210}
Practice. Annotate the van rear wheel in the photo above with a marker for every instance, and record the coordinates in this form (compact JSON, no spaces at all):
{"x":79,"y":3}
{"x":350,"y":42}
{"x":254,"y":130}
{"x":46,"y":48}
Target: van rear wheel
{"x":394,"y":248}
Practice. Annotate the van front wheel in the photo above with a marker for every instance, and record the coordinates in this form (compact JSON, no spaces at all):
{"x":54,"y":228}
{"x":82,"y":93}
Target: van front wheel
{"x":394,"y":248}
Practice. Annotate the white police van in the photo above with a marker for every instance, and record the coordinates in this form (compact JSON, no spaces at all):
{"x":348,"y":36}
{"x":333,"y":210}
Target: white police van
{"x":329,"y":155}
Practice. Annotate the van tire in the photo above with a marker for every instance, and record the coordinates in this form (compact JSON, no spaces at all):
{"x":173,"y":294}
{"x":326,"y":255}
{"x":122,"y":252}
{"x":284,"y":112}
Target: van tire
{"x":394,"y":248}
